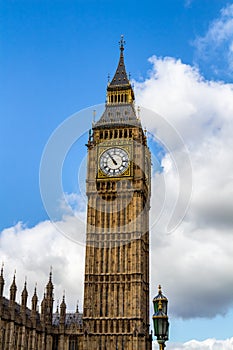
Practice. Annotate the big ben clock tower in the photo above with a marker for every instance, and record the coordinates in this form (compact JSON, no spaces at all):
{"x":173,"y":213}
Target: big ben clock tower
{"x":116,"y":288}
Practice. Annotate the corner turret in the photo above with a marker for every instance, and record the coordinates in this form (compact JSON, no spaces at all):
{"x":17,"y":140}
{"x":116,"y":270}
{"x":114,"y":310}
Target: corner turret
{"x":13,"y":290}
{"x":34,"y":301}
{"x":49,"y":300}
{"x":43,"y":309}
{"x":63,"y":310}
{"x":24,"y":296}
{"x":49,"y":287}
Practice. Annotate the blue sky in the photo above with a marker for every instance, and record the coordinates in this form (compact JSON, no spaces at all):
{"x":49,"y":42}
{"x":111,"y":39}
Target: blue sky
{"x":55,"y":57}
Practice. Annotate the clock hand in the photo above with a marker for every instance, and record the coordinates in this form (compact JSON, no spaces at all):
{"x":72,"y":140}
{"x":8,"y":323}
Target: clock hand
{"x":112,"y":158}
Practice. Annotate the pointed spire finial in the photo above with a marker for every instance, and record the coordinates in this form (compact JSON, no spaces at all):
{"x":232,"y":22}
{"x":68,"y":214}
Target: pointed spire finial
{"x":2,"y":271}
{"x":77,"y":309}
{"x":63,"y":309}
{"x":35,"y":288}
{"x":49,"y":287}
{"x":2,"y":282}
{"x":25,"y":284}
{"x":13,"y":289}
{"x":2,"y":268}
{"x":24,"y":295}
{"x":122,"y":43}
{"x":63,"y":303}
{"x":13,"y":283}
{"x":160,"y":289}
{"x":51,"y":272}
{"x":34,"y":299}
{"x":57,"y":311}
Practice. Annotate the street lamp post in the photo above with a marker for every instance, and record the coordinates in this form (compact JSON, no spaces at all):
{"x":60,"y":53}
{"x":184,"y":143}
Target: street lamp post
{"x":160,"y":319}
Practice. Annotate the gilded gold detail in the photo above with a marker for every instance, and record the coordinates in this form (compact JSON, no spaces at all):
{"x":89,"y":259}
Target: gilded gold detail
{"x":108,"y":145}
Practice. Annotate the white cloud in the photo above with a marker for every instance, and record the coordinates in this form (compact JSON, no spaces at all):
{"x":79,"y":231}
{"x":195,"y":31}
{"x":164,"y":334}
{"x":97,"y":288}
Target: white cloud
{"x":208,"y":344}
{"x":215,"y":47}
{"x":31,"y":251}
{"x":195,"y":261}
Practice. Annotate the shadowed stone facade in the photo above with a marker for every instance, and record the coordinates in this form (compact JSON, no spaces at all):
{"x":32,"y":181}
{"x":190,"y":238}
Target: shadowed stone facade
{"x":22,"y":328}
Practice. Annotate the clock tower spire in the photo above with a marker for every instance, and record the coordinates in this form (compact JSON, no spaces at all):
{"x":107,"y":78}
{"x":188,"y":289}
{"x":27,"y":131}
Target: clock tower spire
{"x":120,"y":98}
{"x":120,"y":90}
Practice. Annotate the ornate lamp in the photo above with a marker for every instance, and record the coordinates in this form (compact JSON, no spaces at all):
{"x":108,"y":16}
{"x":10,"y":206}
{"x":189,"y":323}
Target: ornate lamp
{"x":160,"y":319}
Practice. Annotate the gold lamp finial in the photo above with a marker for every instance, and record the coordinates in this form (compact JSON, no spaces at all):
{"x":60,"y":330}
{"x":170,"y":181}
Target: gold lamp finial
{"x":160,"y":305}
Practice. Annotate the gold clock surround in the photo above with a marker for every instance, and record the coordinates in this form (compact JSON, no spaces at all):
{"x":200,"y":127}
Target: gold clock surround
{"x":126,"y":147}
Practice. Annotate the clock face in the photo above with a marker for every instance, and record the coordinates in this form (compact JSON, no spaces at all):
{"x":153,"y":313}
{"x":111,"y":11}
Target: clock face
{"x":114,"y":161}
